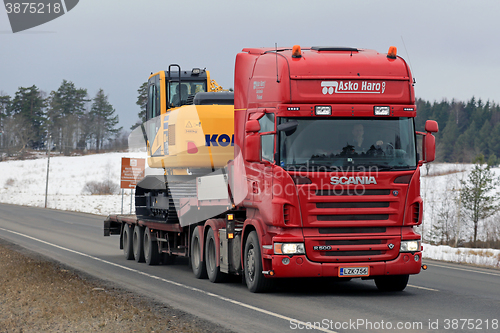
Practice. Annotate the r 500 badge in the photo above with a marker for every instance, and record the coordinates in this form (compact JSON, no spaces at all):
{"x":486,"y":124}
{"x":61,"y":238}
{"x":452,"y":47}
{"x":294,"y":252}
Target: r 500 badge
{"x":322,"y":248}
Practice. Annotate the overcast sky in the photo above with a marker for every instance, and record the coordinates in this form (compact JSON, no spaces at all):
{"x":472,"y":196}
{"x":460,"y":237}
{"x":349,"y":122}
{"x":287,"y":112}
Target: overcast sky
{"x":115,"y":44}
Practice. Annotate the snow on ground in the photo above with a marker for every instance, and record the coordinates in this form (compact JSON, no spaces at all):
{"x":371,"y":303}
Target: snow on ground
{"x":23,"y":183}
{"x":481,"y":257}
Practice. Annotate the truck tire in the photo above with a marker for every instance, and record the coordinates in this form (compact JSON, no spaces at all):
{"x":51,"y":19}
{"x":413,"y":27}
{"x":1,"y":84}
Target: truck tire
{"x":151,"y":254}
{"x":211,"y":259}
{"x":138,"y":243}
{"x":255,"y":280}
{"x":196,"y":260}
{"x":128,"y":249}
{"x":392,"y":282}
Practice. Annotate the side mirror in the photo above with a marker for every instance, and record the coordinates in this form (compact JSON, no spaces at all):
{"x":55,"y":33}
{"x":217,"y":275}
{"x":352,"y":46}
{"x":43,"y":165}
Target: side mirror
{"x":429,"y":149}
{"x":429,"y":142}
{"x":252,"y":147}
{"x":252,"y":126}
{"x":431,"y":126}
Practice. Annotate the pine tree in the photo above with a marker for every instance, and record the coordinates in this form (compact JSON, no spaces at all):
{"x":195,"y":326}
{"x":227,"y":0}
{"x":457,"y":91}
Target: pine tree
{"x":28,"y":109}
{"x":494,"y":141}
{"x":449,"y":139}
{"x":103,"y":119}
{"x":482,"y":140}
{"x":66,"y":109}
{"x":476,"y":194}
{"x":5,"y":103}
{"x":142,"y":101}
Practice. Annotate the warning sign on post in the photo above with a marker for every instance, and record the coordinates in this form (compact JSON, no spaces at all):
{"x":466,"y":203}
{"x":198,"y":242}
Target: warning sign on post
{"x":132,"y":171}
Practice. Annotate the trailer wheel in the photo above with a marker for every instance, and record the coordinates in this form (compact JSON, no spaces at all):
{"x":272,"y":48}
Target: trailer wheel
{"x":197,"y":262}
{"x":138,"y":243}
{"x":392,"y":282}
{"x":213,"y":271}
{"x":128,"y":249}
{"x":151,"y":254}
{"x":255,"y":280}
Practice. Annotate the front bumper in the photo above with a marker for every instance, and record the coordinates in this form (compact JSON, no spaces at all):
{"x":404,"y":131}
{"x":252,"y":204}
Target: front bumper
{"x":300,"y":266}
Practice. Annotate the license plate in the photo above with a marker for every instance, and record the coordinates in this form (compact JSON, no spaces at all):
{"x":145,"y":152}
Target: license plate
{"x":354,"y":271}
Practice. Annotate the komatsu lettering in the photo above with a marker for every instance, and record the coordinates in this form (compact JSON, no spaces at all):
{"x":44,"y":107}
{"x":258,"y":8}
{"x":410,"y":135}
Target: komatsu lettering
{"x":363,"y":180}
{"x":217,"y":140}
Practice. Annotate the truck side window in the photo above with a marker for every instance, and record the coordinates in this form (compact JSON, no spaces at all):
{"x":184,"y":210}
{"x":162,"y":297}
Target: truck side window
{"x":267,"y":123}
{"x":267,"y":140}
{"x":267,"y":144}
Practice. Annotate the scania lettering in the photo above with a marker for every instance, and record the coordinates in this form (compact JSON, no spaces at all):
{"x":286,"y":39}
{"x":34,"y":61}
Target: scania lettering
{"x":353,"y":180}
{"x":310,"y":169}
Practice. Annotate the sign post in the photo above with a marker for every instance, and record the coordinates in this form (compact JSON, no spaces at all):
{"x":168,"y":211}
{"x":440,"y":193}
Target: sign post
{"x":132,"y":173}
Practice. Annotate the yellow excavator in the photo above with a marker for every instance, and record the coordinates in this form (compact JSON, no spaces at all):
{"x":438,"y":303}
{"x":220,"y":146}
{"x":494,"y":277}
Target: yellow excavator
{"x":189,"y":132}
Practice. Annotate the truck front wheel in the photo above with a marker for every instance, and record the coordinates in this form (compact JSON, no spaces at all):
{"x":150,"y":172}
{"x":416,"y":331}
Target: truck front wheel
{"x":255,"y":280}
{"x":197,"y":263}
{"x":127,"y":240}
{"x":392,"y":282}
{"x":213,"y":271}
{"x":151,"y":254}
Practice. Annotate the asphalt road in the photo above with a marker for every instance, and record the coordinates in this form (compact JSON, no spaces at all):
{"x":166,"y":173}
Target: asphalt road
{"x":447,"y":297}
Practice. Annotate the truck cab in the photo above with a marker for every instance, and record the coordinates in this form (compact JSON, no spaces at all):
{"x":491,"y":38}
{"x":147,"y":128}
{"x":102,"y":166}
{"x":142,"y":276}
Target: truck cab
{"x":331,"y":162}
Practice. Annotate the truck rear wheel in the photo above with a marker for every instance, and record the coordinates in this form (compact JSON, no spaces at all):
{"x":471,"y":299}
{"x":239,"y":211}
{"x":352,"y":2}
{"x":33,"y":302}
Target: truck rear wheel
{"x":255,"y":280}
{"x":392,"y":282}
{"x":197,"y":262}
{"x":138,"y":243}
{"x":151,"y":254}
{"x":127,"y":240}
{"x":213,"y":271}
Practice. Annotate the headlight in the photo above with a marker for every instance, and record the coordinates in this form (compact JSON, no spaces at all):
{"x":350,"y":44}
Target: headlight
{"x":323,"y":110}
{"x":289,"y":248}
{"x":382,"y":110}
{"x":410,"y":246}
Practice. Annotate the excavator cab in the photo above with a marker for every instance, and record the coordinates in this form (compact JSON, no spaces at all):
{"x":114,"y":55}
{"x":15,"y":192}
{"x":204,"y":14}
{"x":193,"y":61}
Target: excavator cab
{"x":174,"y":88}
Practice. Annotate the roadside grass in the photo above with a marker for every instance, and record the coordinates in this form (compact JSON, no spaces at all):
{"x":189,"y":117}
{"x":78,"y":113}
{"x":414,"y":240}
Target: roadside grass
{"x":39,"y":295}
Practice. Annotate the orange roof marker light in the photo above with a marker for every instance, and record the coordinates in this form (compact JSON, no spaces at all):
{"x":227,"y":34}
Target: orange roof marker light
{"x":296,"y":52}
{"x":393,"y":51}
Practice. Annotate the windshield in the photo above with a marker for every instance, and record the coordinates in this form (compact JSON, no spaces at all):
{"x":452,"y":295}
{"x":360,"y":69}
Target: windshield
{"x":179,"y":94}
{"x":349,"y":143}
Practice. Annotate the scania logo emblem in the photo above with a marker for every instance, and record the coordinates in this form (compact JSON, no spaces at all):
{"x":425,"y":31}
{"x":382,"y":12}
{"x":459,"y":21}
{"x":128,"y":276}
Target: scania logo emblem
{"x":395,"y":193}
{"x":391,"y":246}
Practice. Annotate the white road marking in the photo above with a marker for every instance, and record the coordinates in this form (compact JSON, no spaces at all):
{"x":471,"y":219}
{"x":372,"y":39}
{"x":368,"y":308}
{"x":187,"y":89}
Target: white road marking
{"x":425,"y":288}
{"x":463,"y":269}
{"x":229,"y":300}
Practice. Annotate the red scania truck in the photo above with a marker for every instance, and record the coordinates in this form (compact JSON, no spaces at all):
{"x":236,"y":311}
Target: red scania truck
{"x":323,"y":178}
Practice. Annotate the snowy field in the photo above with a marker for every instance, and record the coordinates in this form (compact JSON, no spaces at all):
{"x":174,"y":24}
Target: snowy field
{"x":23,"y":183}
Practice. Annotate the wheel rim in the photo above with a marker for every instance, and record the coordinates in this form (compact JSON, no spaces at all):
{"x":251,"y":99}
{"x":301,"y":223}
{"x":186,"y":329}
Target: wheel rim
{"x":251,"y":264}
